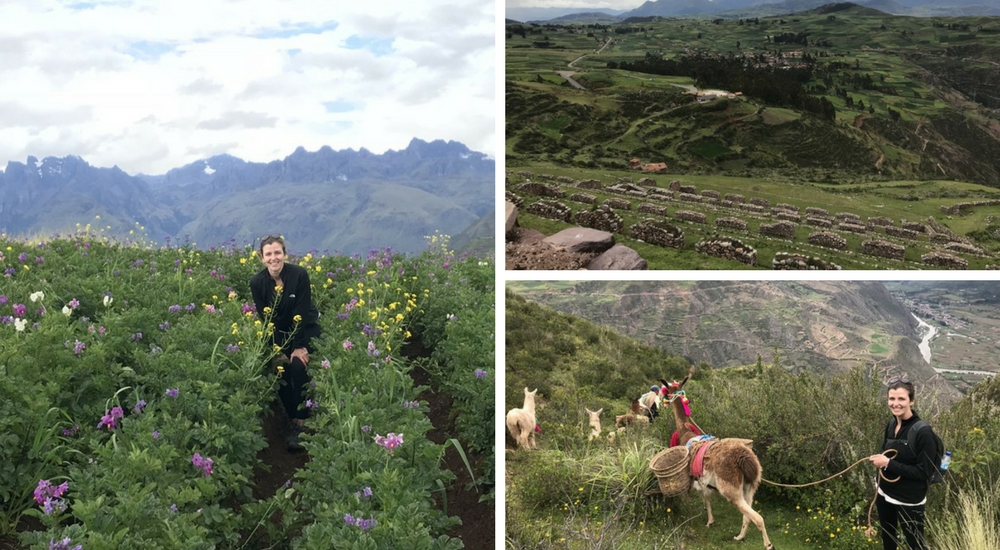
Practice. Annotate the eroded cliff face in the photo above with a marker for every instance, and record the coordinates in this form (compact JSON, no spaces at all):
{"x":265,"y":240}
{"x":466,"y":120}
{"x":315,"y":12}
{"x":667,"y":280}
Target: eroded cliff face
{"x":817,"y":326}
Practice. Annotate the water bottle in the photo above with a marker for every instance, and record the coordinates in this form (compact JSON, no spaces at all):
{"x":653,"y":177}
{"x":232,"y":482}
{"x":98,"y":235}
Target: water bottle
{"x":946,"y":460}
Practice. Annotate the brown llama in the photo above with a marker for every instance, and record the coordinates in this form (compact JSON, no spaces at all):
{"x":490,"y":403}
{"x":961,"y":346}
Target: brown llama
{"x":635,"y":417}
{"x":521,"y":422}
{"x":673,"y":394}
{"x":730,"y":467}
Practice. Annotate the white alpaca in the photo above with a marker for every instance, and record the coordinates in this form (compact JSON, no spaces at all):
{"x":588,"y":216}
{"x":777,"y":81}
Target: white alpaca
{"x":521,"y":422}
{"x":595,"y":423}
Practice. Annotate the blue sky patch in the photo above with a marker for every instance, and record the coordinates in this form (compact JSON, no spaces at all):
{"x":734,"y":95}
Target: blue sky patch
{"x":339,"y":106}
{"x":378,"y":46}
{"x":149,"y":51}
{"x":295,"y":29}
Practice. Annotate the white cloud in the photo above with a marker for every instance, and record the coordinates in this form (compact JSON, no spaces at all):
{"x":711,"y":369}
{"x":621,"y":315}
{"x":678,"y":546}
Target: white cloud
{"x":149,"y":85}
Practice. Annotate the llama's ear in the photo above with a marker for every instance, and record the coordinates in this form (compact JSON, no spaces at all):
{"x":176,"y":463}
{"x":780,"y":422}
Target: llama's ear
{"x":664,"y":382}
{"x":588,"y":410}
{"x":599,"y":411}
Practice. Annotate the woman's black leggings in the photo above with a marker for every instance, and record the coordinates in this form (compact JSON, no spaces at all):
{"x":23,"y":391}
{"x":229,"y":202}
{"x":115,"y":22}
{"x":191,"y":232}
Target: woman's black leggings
{"x":291,"y":389}
{"x":910,"y":518}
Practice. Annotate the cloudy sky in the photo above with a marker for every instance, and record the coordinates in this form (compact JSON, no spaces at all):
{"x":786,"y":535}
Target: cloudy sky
{"x":610,"y":4}
{"x":150,"y":85}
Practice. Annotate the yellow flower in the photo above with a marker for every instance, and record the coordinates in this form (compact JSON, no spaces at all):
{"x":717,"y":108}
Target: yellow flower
{"x":281,"y":370}
{"x":392,"y":306}
{"x":361,"y":303}
{"x":399,"y":316}
{"x":368,"y":290}
{"x":318,"y":269}
{"x":370,"y":273}
{"x":297,"y":319}
{"x":408,"y":335}
{"x":214,"y":297}
{"x":361,"y":285}
{"x":243,"y":261}
{"x":267,"y":310}
{"x":277,"y":347}
{"x":374,"y":315}
{"x":279,"y":288}
{"x":350,"y":291}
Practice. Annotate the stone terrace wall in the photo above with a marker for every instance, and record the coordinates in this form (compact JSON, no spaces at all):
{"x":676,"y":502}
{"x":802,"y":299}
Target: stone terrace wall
{"x":883,"y":249}
{"x":564,"y":179}
{"x":959,"y":208}
{"x":852,"y":227}
{"x":914,"y":226}
{"x":550,"y":209}
{"x":941,"y":238}
{"x":541,"y":189}
{"x":783,"y":229}
{"x":525,"y":173}
{"x":618,"y":204}
{"x":730,"y":249}
{"x":658,"y":232}
{"x":751,"y":207}
{"x":880,"y":221}
{"x":647,"y":182}
{"x":761,"y":202}
{"x":624,"y":179}
{"x":735,"y":197}
{"x":901,"y":232}
{"x":788,"y":216}
{"x":647,"y":208}
{"x":660,"y":193}
{"x":675,"y":186}
{"x":947,"y":261}
{"x":687,"y":189}
{"x":786,"y":206}
{"x":583,"y":197}
{"x":848,"y":217}
{"x":688,"y":197}
{"x":590,"y":184}
{"x":687,"y":215}
{"x":784,"y":261}
{"x":828,"y":239}
{"x":549,"y":177}
{"x":819,"y":222}
{"x":965,"y":248}
{"x":602,"y":218}
{"x":513,"y":198}
{"x":731,"y":223}
{"x":818,"y":212}
{"x":710,"y":193}
{"x":626,"y":189}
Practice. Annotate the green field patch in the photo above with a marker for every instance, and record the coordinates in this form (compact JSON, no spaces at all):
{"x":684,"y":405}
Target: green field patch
{"x":708,"y":148}
{"x":775,"y":115}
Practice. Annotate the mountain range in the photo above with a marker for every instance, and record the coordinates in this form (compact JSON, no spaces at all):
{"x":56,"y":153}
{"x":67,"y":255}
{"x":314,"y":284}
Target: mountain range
{"x":815,"y":326}
{"x":749,"y":8}
{"x":337,"y":201}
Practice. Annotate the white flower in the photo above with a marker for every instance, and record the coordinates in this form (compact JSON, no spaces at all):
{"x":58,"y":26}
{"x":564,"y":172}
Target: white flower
{"x":19,"y":324}
{"x":108,"y":300}
{"x":67,"y":311}
{"x":35,"y":296}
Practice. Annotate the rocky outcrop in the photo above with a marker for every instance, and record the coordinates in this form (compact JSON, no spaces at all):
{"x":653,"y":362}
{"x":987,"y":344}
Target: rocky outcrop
{"x":731,"y":223}
{"x":687,"y":215}
{"x":603,"y":218}
{"x":828,"y":239}
{"x":730,"y":249}
{"x":511,"y":197}
{"x":782,"y":229}
{"x":552,"y":210}
{"x":947,"y":261}
{"x":619,"y":257}
{"x":511,"y":216}
{"x":883,"y":249}
{"x":658,"y":232}
{"x":784,"y":261}
{"x":584,"y":198}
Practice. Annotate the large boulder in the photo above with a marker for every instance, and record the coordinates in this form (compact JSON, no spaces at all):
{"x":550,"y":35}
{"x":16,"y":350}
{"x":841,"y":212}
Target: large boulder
{"x":618,"y":256}
{"x":511,"y":216}
{"x":581,"y":239}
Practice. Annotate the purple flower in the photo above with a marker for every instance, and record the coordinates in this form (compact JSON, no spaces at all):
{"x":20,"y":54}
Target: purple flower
{"x":246,"y":308}
{"x":391,"y":441}
{"x":364,"y":493}
{"x":78,"y":347}
{"x":410,"y":404}
{"x":173,"y":392}
{"x":348,"y":345}
{"x":480,"y":373}
{"x":164,"y":325}
{"x":174,"y":308}
{"x":203,"y":463}
{"x":39,"y":259}
{"x":70,"y":432}
{"x":3,"y":299}
{"x":452,"y":317}
{"x":64,"y":544}
{"x":139,"y":406}
{"x":20,"y":310}
{"x":137,"y":336}
{"x":190,"y":307}
{"x":232,"y":348}
{"x":22,"y":257}
{"x":371,"y":349}
{"x":108,"y":421}
{"x":153,"y":350}
{"x":45,"y":489}
{"x":311,"y":405}
{"x":74,"y":303}
{"x":101,"y":330}
{"x":366,"y":429}
{"x":325,"y":364}
{"x":156,"y":434}
{"x":173,"y":507}
{"x":343,"y":316}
